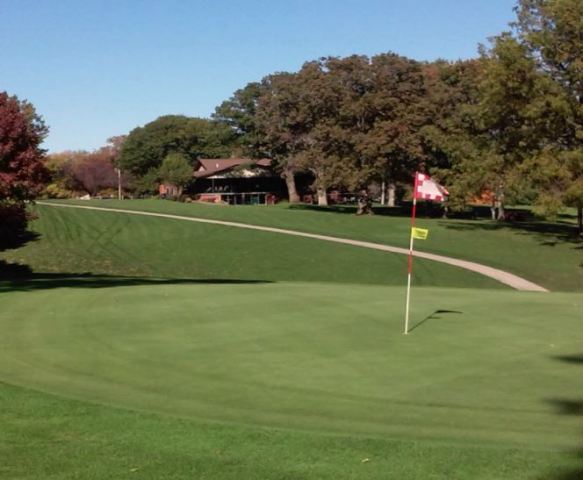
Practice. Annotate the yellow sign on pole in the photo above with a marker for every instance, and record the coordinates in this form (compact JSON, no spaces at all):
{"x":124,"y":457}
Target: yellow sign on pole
{"x":419,"y":233}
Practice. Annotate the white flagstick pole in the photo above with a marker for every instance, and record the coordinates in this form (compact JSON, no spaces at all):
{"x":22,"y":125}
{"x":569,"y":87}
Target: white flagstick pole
{"x":410,"y":260}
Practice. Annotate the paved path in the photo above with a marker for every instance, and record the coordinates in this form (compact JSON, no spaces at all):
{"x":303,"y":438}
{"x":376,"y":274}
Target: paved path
{"x":506,"y":278}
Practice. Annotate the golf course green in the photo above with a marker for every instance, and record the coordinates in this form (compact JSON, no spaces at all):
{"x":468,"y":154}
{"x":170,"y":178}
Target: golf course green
{"x":153,"y":348}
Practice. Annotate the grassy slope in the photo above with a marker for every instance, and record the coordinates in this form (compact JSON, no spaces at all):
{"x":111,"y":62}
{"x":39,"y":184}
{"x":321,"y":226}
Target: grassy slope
{"x":78,"y":241}
{"x":544,"y":253}
{"x":466,"y":395}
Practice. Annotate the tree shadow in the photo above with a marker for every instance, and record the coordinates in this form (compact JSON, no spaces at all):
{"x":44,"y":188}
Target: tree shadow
{"x":424,"y":209}
{"x":546,"y":233}
{"x":574,"y":359}
{"x":572,"y":407}
{"x":25,"y":280}
{"x":434,"y":316}
{"x":11,"y":242}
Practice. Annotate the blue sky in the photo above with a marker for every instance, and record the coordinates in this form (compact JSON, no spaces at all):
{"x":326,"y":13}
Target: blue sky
{"x":95,"y":69}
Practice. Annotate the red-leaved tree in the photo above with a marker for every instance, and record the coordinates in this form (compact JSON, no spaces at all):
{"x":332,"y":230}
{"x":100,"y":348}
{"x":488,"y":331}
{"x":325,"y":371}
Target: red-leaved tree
{"x":22,"y":172}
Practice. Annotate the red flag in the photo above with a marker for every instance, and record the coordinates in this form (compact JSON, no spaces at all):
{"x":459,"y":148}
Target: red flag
{"x":428,"y":189}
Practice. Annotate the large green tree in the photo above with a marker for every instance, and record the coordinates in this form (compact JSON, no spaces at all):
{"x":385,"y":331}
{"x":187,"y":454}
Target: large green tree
{"x":490,"y":136}
{"x":529,"y":115}
{"x":146,"y":147}
{"x":298,"y":115}
{"x":552,"y":33}
{"x":346,"y":120}
{"x":451,"y":140}
{"x":381,"y":114}
{"x":239,"y":113}
{"x":176,"y":171}
{"x":278,"y":122}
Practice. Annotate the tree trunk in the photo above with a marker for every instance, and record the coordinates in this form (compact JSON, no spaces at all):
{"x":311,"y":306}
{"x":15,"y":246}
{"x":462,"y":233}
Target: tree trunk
{"x":383,"y":192}
{"x":392,"y":190}
{"x":290,"y":182}
{"x":364,"y":204}
{"x":119,"y":194}
{"x":501,"y":212}
{"x":322,"y":197}
{"x":493,"y":211}
{"x":580,"y":219}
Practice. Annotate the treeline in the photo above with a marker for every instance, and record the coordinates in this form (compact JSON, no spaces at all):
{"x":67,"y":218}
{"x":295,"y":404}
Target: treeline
{"x":85,"y":172}
{"x":507,"y":125}
{"x":164,"y":150}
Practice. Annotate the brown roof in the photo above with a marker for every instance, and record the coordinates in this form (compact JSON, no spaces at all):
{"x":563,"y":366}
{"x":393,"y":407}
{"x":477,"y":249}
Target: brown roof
{"x":213,"y":166}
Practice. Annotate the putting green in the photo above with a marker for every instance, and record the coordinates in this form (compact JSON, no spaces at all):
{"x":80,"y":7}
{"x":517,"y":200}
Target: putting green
{"x":480,"y":367}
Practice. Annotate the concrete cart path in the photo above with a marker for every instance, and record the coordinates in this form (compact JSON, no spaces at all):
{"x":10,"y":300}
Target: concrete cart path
{"x":514,"y":281}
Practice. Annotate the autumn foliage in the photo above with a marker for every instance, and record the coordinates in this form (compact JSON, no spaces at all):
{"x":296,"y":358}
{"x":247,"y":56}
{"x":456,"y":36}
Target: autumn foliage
{"x":21,"y":131}
{"x":22,"y":172}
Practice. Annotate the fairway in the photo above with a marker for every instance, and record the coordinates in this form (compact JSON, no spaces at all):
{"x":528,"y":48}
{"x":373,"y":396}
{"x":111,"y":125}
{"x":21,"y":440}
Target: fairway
{"x":178,"y":350}
{"x":546,"y":253}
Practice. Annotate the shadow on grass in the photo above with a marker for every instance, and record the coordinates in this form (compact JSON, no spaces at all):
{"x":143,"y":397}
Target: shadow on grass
{"x":25,"y":280}
{"x":350,"y":209}
{"x":546,"y":233}
{"x":404,"y":210}
{"x":434,"y":316}
{"x":569,"y":407}
{"x":10,"y":242}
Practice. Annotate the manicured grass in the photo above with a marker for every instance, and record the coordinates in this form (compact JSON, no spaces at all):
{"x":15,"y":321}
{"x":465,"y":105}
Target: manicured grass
{"x":546,"y":253}
{"x":101,"y":243}
{"x":152,"y":348}
{"x":44,"y":436}
{"x":288,"y":380}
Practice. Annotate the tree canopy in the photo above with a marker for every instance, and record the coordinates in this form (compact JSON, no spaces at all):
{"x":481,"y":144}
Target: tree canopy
{"x":176,"y":171}
{"x":22,"y":131}
{"x":146,"y":147}
{"x":22,"y":172}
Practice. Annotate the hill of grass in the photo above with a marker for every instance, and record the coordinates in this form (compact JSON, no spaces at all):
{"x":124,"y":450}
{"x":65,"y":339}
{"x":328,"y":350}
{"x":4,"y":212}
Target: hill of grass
{"x":550,"y":254}
{"x":100,"y":243}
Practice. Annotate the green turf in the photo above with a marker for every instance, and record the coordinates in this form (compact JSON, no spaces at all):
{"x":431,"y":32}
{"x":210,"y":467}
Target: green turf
{"x":49,"y":437}
{"x":543,"y":252}
{"x":102,"y":243}
{"x":323,"y":365}
{"x":152,"y":348}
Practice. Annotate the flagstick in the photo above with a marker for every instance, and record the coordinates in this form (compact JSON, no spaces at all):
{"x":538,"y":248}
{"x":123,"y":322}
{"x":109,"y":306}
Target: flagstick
{"x":410,"y":260}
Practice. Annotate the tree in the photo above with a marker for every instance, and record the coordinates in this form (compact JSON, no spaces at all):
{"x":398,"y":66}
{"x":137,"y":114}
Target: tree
{"x":89,"y":172}
{"x":93,"y":172}
{"x":112,"y":150}
{"x":491,"y":135}
{"x":530,"y":113}
{"x":451,"y":140}
{"x":319,"y":140}
{"x":21,"y":132}
{"x":61,"y":183}
{"x":146,"y":147}
{"x":176,"y":171}
{"x":277,"y":123}
{"x":346,"y":120}
{"x":551,"y":30}
{"x":239,"y":113}
{"x":382,"y":110}
{"x":22,"y":172}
